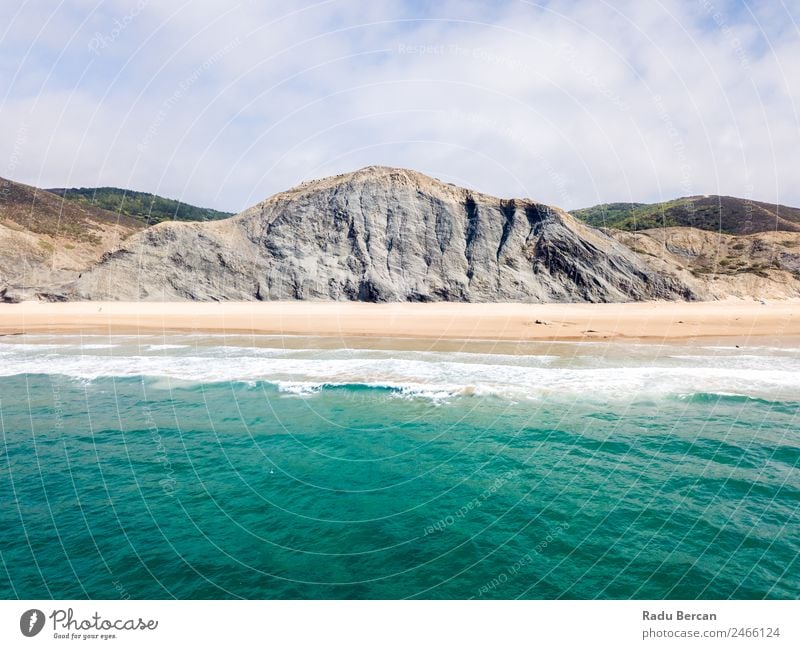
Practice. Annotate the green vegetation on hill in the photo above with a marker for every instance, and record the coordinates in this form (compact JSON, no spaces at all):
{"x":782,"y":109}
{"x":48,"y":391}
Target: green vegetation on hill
{"x":25,"y":208}
{"x":715,"y":213}
{"x":144,"y":207}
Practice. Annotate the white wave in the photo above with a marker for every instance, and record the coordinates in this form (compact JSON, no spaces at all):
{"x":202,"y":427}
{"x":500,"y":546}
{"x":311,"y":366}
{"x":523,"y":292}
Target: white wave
{"x":161,"y":348}
{"x":743,"y":361}
{"x":301,"y":388}
{"x":31,"y":347}
{"x":433,"y":375}
{"x":762,"y":349}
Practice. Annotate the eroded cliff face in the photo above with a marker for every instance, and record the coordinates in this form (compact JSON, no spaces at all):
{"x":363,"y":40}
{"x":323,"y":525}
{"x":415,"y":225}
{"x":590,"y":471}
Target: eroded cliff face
{"x":381,"y":234}
{"x":717,"y":266}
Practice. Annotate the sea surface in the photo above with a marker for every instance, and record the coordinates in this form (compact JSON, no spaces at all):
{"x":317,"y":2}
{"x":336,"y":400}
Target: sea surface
{"x":195,"y":466}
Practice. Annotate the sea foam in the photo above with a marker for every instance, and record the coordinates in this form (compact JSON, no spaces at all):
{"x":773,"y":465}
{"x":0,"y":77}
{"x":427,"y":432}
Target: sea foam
{"x":603,"y":371}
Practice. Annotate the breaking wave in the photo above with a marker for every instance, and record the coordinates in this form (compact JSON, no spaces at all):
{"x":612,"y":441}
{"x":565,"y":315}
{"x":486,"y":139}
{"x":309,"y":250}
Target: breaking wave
{"x":574,"y":371}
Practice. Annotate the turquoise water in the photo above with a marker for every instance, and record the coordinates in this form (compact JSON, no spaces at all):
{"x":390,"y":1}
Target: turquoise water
{"x":195,"y":467}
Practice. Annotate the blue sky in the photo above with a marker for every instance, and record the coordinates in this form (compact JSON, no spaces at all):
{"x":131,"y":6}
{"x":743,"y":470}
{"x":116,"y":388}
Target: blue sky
{"x":571,"y":103}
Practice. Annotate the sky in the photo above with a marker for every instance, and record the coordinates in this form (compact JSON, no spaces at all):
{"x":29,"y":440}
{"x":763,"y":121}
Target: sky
{"x":571,"y":103}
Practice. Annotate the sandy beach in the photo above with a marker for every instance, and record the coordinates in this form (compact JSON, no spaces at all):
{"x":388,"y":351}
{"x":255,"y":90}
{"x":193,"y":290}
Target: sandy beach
{"x":447,"y":321}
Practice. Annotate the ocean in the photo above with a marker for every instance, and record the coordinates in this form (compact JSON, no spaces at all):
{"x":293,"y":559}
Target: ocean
{"x":197,"y":466}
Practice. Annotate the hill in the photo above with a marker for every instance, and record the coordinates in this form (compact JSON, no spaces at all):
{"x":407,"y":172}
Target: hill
{"x":147,"y":208}
{"x":384,"y":235}
{"x":380,"y":235}
{"x":45,"y":240}
{"x":724,"y":214}
{"x":764,"y":265}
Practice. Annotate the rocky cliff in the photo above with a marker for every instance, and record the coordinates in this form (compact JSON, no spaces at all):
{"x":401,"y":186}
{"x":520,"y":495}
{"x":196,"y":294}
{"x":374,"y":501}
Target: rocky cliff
{"x":717,"y":266}
{"x":380,"y":234}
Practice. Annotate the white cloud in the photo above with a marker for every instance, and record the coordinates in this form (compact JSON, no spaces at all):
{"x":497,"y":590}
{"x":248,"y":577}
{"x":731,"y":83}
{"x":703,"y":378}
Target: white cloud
{"x":575,"y":103}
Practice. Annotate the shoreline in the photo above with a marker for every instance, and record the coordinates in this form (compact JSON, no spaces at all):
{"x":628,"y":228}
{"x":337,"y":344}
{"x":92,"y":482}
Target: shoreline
{"x":646,"y":321}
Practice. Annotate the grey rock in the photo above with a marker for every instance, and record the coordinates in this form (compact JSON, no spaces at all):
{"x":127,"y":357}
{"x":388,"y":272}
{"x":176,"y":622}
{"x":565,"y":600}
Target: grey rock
{"x":380,"y":235}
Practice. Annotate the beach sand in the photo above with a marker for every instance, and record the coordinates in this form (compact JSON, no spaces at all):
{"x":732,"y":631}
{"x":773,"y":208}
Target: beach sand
{"x":446,"y":321}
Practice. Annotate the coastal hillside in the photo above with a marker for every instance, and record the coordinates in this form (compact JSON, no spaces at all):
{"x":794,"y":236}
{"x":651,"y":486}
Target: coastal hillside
{"x":765,"y":265}
{"x":380,"y":235}
{"x":144,"y":207}
{"x":46,"y":241}
{"x":725,"y":214}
